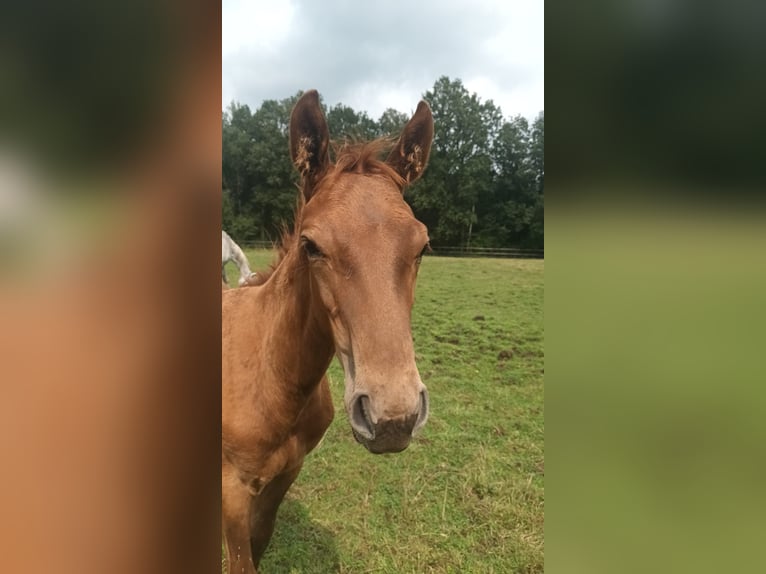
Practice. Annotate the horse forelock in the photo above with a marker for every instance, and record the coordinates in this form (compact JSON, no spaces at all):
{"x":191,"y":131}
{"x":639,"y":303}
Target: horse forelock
{"x":350,"y":157}
{"x":362,"y":158}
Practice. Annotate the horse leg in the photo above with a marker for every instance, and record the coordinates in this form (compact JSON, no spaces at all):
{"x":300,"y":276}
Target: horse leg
{"x":236,"y":500}
{"x":223,"y":274}
{"x":263,"y":511}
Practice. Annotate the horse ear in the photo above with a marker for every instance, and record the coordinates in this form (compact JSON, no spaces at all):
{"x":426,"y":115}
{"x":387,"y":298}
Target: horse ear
{"x":409,"y":156}
{"x":309,"y":140}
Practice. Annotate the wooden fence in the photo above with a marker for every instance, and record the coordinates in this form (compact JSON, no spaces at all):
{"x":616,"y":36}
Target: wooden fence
{"x":500,"y":252}
{"x":503,"y":252}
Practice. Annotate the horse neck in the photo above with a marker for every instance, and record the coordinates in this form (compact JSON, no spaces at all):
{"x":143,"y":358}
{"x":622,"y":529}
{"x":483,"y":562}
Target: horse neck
{"x":300,"y":346}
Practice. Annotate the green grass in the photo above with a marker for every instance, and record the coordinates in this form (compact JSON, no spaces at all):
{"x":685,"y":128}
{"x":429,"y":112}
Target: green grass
{"x":467,"y":495}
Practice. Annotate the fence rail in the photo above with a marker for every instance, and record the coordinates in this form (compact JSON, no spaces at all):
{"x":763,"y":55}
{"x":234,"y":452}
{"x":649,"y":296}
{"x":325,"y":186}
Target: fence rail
{"x":505,"y":252}
{"x":500,"y":252}
{"x":256,"y":244}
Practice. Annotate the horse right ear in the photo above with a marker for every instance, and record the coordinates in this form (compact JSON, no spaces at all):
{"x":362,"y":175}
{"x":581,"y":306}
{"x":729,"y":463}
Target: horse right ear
{"x":309,"y":141}
{"x":409,"y":156}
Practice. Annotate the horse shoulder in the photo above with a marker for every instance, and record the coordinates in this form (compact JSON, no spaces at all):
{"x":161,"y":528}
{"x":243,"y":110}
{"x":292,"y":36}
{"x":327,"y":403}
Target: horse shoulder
{"x":316,"y":417}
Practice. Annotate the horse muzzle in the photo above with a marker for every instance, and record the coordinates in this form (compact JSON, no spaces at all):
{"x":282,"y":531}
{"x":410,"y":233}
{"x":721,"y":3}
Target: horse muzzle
{"x":385,"y":435}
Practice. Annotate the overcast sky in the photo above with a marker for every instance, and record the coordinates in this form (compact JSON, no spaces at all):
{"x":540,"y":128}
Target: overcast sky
{"x":372,"y":55}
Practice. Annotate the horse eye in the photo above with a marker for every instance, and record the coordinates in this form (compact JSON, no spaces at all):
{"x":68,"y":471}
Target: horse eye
{"x":426,"y":249}
{"x":311,"y":248}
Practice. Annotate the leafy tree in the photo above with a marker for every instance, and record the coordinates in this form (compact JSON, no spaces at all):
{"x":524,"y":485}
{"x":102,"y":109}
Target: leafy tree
{"x":484,"y":184}
{"x":505,"y":212}
{"x":258,"y":178}
{"x":537,"y":159}
{"x":512,"y":216}
{"x":273,"y":176}
{"x":391,"y":123}
{"x":460,"y":168}
{"x":344,"y":122}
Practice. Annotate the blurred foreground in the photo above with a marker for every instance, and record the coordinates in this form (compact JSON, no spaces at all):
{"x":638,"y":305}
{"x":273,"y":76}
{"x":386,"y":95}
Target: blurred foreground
{"x":655,"y":327}
{"x":109,"y":337}
{"x":655,"y":314}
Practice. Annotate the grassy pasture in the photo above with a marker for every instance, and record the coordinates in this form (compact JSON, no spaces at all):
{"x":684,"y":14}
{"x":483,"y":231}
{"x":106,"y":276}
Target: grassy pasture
{"x":467,"y":495}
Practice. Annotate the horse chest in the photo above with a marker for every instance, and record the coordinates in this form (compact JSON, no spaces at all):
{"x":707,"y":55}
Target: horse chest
{"x":258,"y":459}
{"x":316,"y":417}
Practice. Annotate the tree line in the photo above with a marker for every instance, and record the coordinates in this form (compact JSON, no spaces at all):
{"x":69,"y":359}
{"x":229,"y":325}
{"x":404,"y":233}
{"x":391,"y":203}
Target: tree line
{"x":483,"y":186}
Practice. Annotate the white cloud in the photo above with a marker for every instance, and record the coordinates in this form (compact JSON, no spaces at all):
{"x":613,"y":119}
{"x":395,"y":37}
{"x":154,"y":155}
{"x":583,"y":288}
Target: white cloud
{"x":255,"y":25}
{"x":372,"y":56}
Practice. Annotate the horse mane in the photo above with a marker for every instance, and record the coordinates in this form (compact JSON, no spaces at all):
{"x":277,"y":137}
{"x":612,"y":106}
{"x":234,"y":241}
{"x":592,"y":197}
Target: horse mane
{"x":362,"y":158}
{"x":350,"y":157}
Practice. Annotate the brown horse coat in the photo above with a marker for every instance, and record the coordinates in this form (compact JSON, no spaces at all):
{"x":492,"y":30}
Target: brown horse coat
{"x":344,"y":285}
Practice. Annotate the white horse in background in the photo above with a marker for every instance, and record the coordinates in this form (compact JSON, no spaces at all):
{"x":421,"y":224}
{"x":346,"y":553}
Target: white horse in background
{"x":230,"y":251}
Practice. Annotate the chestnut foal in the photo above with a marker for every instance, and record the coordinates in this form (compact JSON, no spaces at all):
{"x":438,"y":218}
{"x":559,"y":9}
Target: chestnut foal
{"x":343,"y":285}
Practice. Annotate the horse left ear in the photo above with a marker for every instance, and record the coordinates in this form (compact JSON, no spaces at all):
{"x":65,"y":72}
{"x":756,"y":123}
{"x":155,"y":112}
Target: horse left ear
{"x":409,"y":156}
{"x":309,"y":140}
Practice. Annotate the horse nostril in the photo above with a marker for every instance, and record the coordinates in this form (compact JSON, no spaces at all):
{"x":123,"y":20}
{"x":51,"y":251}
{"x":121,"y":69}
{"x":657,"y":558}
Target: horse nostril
{"x":361,"y":421}
{"x":423,"y":412}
